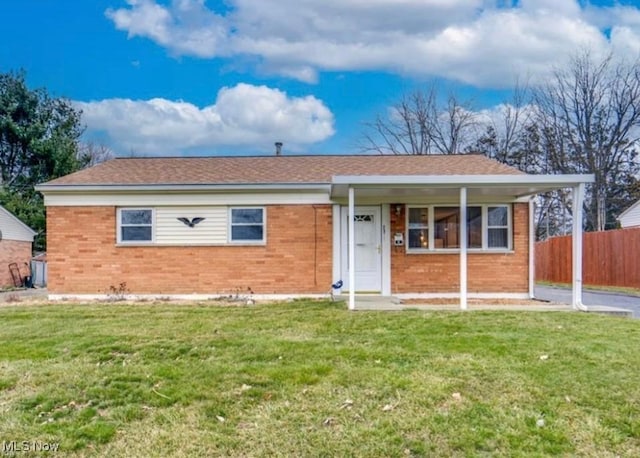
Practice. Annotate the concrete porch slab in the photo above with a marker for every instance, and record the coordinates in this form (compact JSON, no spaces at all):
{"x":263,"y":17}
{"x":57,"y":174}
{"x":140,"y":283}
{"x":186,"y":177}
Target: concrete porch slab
{"x":391,"y":303}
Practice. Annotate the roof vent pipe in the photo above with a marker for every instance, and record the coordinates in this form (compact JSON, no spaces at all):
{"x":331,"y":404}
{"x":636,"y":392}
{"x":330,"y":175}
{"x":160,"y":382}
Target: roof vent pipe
{"x":278,"y":148}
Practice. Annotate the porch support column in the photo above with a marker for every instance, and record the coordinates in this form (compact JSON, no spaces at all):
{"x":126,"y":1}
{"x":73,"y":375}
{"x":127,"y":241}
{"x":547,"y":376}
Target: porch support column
{"x":578,"y":196}
{"x":352,"y":249}
{"x":532,"y":249}
{"x":463,"y":248}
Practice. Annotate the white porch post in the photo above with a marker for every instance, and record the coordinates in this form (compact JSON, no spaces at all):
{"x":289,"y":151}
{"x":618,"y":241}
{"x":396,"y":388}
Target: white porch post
{"x":578,"y":195}
{"x":337,"y":246}
{"x":352,"y":249}
{"x":532,"y":249}
{"x":463,"y":248}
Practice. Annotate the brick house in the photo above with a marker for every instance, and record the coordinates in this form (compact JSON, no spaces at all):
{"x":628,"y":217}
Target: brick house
{"x":278,"y":226}
{"x":16,"y":246}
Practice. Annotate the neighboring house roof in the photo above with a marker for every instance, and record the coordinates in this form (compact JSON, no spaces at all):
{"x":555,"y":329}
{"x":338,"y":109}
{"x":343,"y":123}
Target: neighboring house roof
{"x":276,"y":169}
{"x":14,"y":229}
{"x":631,"y":216}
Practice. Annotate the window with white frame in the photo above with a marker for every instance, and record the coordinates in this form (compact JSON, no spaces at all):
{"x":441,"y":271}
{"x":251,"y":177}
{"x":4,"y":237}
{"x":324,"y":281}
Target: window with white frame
{"x":474,"y":227}
{"x":246,"y":225}
{"x":418,"y":228}
{"x":497,"y":227}
{"x":135,"y":225}
{"x":488,"y":227}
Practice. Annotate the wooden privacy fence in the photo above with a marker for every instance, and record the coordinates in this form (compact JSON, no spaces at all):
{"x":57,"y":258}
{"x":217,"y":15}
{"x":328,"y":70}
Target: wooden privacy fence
{"x":610,"y":258}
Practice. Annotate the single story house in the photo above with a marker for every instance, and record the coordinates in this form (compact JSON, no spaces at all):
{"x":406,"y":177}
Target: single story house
{"x":16,"y":246}
{"x":278,"y":226}
{"x":630,"y":217}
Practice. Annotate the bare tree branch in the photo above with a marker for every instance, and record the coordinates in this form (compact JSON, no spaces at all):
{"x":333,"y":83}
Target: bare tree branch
{"x":591,"y":117}
{"x":419,"y":124}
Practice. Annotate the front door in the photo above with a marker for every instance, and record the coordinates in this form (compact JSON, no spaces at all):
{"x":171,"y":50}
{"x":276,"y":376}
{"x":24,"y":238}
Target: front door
{"x":368,"y":247}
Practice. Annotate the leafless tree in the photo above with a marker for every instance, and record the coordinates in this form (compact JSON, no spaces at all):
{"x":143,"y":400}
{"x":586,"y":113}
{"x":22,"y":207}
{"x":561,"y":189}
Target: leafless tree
{"x":510,"y":135}
{"x":90,"y":154}
{"x":589,"y":116}
{"x":585,"y":119}
{"x":420,"y":124}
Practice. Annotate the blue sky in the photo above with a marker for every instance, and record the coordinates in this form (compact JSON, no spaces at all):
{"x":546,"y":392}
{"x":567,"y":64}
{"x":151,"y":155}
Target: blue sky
{"x":186,"y":77}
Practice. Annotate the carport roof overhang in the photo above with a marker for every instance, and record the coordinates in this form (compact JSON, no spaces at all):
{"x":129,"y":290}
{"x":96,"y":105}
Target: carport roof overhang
{"x":504,"y":186}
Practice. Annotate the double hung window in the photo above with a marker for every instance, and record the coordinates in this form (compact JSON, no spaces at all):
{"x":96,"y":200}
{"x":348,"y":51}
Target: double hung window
{"x":246,"y":225}
{"x":135,"y":225}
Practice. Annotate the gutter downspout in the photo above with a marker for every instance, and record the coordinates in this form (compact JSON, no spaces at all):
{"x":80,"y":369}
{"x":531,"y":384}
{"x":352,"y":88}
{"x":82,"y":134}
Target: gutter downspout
{"x":578,"y":195}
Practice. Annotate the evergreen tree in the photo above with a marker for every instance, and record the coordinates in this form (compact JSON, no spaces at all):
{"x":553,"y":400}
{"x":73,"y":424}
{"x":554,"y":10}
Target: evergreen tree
{"x":38,"y":142}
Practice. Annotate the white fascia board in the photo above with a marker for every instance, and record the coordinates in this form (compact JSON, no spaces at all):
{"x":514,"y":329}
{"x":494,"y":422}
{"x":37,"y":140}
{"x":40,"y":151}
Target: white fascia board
{"x":185,"y":199}
{"x":186,"y":194}
{"x":182,"y":188}
{"x":461,"y":180}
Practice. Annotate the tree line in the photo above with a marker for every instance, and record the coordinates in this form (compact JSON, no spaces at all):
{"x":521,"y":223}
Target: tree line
{"x":39,"y":141}
{"x":584,"y":119}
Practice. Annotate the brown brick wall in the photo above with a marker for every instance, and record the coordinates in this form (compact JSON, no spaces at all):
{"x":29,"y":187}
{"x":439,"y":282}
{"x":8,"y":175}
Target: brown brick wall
{"x":13,"y":251}
{"x":440,"y":273}
{"x":83,"y":257}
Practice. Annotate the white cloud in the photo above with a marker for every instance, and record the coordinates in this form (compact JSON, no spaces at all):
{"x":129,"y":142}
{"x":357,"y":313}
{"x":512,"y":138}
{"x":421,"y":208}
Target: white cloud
{"x":188,"y":27}
{"x":473,"y":41}
{"x":144,"y":19}
{"x":624,"y":23}
{"x":627,"y":40}
{"x":242,"y":116}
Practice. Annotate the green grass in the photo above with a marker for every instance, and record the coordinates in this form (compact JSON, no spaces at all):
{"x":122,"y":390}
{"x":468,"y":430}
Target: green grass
{"x":312,"y":379}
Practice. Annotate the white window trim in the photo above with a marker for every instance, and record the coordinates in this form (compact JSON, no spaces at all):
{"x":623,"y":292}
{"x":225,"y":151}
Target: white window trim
{"x":483,"y":218}
{"x":485,"y":233}
{"x":429,"y":228}
{"x":485,"y":230}
{"x":246,"y":242}
{"x":135,"y":242}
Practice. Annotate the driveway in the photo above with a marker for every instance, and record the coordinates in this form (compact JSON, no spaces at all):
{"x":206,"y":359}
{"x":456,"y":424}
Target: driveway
{"x":590,"y":297}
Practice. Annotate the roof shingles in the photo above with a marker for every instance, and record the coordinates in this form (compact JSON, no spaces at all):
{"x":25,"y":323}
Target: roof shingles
{"x":274,"y":169}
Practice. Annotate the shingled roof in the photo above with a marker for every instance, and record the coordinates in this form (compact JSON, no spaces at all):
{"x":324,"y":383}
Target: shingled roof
{"x":274,"y":169}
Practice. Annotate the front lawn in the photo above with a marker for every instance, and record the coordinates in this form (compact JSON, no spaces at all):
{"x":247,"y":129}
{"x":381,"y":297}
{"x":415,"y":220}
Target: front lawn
{"x":312,"y":379}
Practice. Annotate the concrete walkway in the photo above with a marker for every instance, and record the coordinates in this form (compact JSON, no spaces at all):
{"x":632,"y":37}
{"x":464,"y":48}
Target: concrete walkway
{"x":557,"y":303}
{"x":391,"y":303}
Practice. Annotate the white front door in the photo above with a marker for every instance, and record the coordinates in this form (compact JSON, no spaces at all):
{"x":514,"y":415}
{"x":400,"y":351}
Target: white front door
{"x":368,"y":245}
